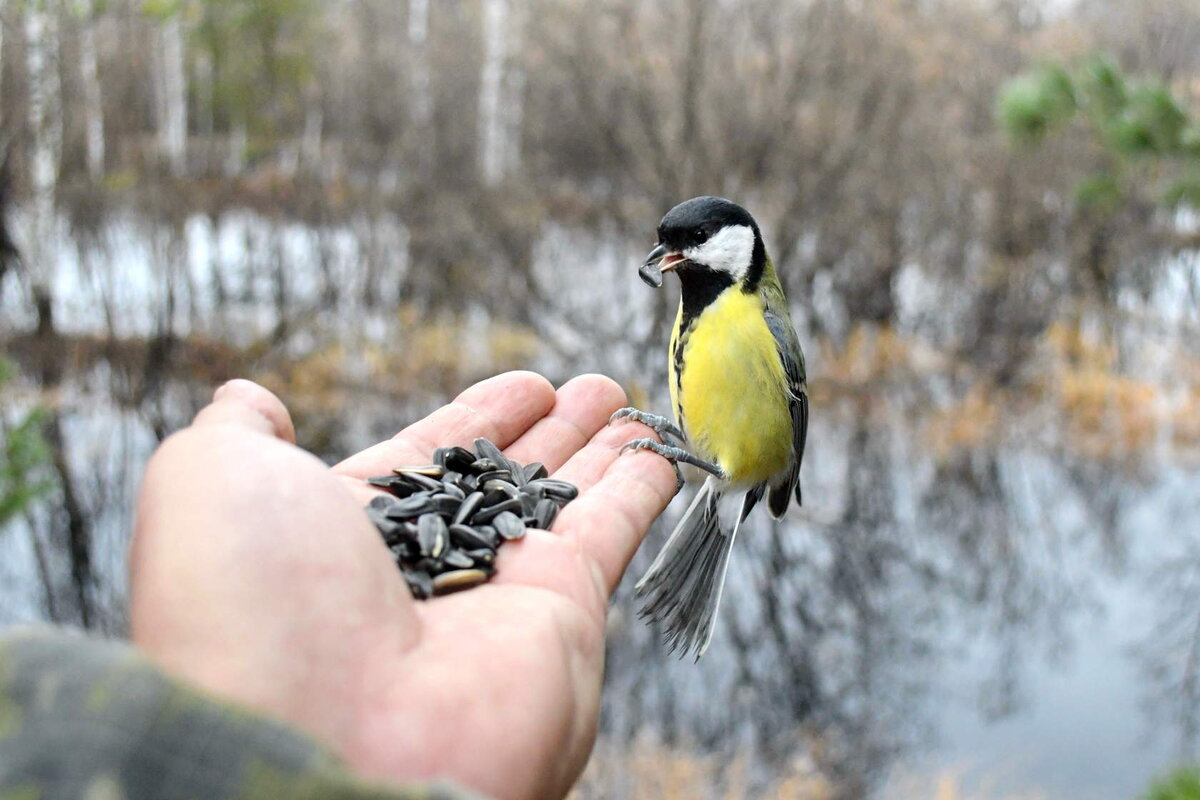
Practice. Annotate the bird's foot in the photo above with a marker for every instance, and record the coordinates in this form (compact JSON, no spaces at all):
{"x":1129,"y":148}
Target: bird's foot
{"x":675,"y":455}
{"x":661,"y":425}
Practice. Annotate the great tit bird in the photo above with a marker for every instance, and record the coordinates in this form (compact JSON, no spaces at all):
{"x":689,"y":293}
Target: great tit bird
{"x":740,"y":400}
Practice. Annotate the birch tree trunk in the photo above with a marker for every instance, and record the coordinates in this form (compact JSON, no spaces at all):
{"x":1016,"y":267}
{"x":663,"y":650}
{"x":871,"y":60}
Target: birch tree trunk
{"x":501,"y":90}
{"x":491,"y":129}
{"x":45,"y":128}
{"x":513,"y":86}
{"x":45,"y":125}
{"x":93,"y":107}
{"x":172,"y":83}
{"x":420,"y":86}
{"x":3,"y":23}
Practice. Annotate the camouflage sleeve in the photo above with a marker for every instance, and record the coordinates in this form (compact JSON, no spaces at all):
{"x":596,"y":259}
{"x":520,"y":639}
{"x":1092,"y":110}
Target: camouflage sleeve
{"x":85,"y":718}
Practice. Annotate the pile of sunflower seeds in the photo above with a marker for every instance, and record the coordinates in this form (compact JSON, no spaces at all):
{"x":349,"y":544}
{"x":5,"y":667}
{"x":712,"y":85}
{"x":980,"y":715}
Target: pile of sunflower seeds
{"x":443,"y":522}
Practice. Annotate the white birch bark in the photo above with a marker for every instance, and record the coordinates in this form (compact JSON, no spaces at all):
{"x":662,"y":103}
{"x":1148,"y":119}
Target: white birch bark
{"x":420,"y":83}
{"x":513,"y":87}
{"x":93,"y":107}
{"x":45,"y":127}
{"x":3,"y":23}
{"x":491,"y":129}
{"x":502,"y":89}
{"x":173,"y":121}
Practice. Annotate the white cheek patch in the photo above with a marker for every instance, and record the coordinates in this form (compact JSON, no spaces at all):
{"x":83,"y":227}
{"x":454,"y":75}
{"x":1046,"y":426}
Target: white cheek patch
{"x":730,"y":250}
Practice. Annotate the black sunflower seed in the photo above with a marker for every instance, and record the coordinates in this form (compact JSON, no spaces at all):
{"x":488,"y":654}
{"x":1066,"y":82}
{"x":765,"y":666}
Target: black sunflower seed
{"x":493,"y":475}
{"x":469,"y":506}
{"x":382,"y":502}
{"x":392,"y":483}
{"x":468,"y":538}
{"x":509,"y":525}
{"x":458,"y":458}
{"x":413,"y":506}
{"x":485,"y":449}
{"x":430,"y":566}
{"x":559,"y":490}
{"x":389,"y":529}
{"x":420,"y":584}
{"x":432,"y":534}
{"x":518,"y":475}
{"x":445,"y":504}
{"x":419,"y":481}
{"x":483,"y":556}
{"x":498,"y":489}
{"x":488,"y":513}
{"x":458,"y":559}
{"x":534,"y":470}
{"x":545,"y":513}
{"x":481,"y":466}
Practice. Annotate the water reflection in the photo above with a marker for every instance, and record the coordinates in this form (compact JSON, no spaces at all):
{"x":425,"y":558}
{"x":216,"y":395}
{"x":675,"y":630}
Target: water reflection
{"x":952,"y":516}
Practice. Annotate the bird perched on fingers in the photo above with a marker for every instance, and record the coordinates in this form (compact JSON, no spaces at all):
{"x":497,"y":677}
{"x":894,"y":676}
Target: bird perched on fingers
{"x":741,"y":406}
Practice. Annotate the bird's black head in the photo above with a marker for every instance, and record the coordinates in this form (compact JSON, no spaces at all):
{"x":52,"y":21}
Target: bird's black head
{"x":712,"y":241}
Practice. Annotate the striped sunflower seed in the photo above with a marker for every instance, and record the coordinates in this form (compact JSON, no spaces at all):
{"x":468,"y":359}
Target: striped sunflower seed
{"x":458,"y":579}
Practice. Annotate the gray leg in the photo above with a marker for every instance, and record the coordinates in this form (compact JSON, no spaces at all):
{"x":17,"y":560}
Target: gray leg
{"x":674,"y":455}
{"x":661,"y":425}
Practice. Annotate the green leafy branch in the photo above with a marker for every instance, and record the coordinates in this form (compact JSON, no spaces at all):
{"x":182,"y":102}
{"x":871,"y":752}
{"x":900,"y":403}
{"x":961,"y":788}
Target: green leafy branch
{"x":24,"y":457}
{"x":1184,"y":784}
{"x":1132,"y":120}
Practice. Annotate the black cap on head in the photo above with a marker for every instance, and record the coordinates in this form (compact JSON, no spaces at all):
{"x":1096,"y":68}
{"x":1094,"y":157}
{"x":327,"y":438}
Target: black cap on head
{"x":701,"y":213}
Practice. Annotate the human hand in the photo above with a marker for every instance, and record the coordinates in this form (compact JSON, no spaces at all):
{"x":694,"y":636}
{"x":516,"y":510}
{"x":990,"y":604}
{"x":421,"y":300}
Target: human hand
{"x":256,"y":574}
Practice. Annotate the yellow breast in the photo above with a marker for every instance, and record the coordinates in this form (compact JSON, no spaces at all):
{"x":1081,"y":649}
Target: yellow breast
{"x":732,"y":394}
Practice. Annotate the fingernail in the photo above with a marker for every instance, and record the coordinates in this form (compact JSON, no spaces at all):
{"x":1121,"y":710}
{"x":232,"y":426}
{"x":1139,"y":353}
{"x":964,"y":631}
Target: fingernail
{"x":233,"y":388}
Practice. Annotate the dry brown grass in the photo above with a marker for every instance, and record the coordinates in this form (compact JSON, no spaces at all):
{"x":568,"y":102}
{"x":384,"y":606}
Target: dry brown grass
{"x":1076,"y":384}
{"x":648,"y":770}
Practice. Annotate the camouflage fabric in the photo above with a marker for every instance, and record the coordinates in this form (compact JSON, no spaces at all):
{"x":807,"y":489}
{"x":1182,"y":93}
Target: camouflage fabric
{"x":91,"y":719}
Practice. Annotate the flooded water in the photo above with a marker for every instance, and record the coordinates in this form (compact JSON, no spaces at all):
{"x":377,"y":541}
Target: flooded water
{"x":991,"y":587}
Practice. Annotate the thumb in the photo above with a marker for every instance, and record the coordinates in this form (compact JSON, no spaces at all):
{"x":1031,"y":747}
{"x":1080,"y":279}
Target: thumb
{"x":245,"y":403}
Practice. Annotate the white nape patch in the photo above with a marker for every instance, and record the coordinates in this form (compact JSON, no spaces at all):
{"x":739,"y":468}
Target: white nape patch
{"x":730,"y":250}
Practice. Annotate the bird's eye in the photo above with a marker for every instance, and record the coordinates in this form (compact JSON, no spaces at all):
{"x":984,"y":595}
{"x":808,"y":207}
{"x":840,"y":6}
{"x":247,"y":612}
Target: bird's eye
{"x":699,"y":236}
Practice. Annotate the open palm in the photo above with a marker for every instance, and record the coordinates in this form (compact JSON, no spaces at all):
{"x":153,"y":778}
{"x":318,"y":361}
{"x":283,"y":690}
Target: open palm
{"x":256,"y":574}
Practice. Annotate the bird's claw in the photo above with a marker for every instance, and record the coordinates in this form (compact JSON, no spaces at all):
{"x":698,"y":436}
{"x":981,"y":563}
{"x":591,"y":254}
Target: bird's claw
{"x":665,"y":428}
{"x":650,"y":444}
{"x":674,"y":455}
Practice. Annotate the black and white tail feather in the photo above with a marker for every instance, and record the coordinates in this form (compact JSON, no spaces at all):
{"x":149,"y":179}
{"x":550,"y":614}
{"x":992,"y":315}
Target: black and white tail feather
{"x":682,"y":588}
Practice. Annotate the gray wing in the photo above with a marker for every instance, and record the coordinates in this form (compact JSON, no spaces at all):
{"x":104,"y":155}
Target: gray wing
{"x":792,"y":357}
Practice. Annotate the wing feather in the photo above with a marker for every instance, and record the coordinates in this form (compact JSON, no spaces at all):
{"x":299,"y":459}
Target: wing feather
{"x":792,"y":358}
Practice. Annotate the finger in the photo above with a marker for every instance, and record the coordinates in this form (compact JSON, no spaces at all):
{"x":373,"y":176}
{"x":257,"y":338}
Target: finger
{"x":611,"y":518}
{"x":245,"y":403}
{"x":582,"y":407}
{"x":595,"y":535}
{"x":499,"y":409}
{"x":586,"y":467}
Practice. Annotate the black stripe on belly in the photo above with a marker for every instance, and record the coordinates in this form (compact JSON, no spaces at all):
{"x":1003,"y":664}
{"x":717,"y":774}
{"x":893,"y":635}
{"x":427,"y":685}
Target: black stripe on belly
{"x":701,"y":286}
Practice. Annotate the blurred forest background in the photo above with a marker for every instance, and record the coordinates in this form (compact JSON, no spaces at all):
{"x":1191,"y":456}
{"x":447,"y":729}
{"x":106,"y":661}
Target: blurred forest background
{"x":983,"y":211}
